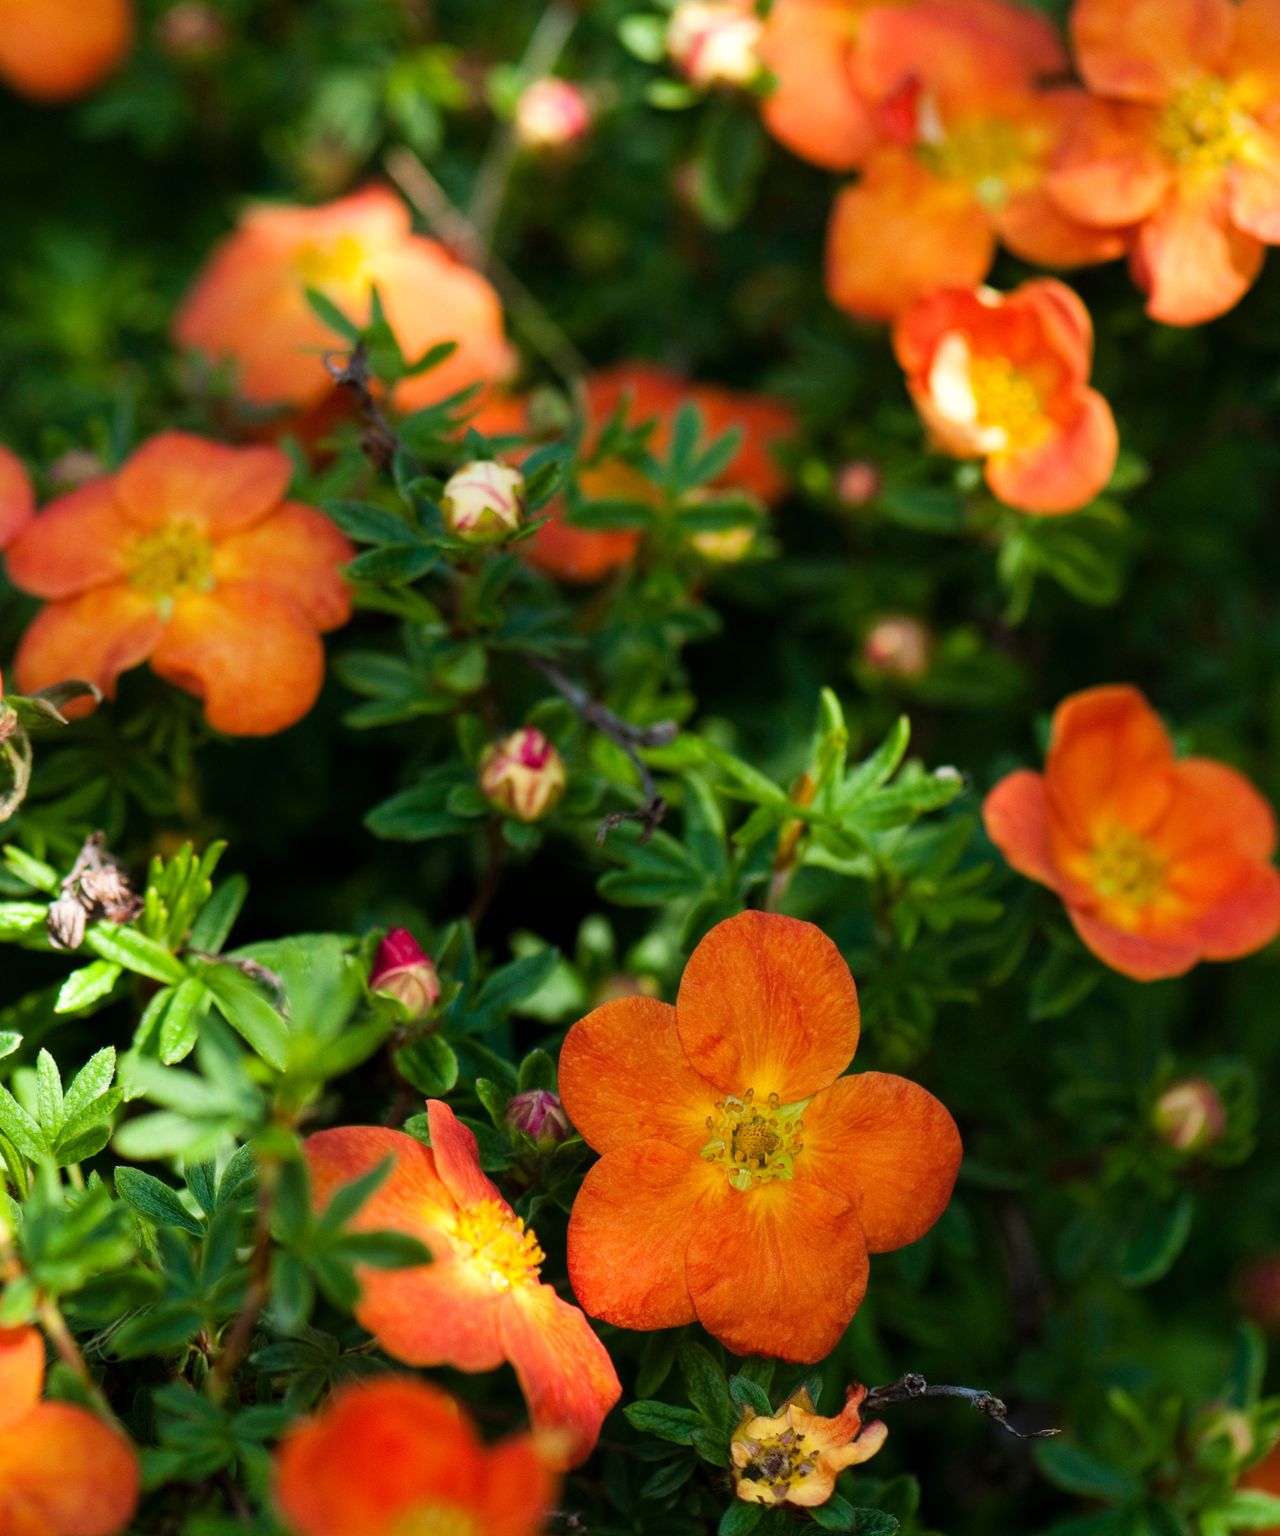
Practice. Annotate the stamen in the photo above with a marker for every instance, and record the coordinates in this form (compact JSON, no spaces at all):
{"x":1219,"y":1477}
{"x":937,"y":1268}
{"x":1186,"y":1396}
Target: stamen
{"x":497,"y":1242}
{"x":754,"y":1142}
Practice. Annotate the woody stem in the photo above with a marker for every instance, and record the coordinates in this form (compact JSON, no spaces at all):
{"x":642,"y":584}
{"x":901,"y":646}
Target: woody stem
{"x":258,"y":1293}
{"x":59,"y":1335}
{"x":910,"y":1387}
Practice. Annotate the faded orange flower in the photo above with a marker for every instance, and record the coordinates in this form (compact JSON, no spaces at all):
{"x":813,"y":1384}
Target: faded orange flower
{"x":795,"y":1455}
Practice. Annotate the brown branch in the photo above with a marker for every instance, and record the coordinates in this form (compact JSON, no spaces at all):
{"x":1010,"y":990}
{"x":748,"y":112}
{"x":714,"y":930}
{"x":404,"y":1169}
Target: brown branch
{"x":354,"y":375}
{"x":910,"y":1387}
{"x":258,"y":1293}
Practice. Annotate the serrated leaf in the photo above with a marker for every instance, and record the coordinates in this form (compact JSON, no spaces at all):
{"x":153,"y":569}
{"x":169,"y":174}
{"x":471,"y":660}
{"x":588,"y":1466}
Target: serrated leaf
{"x":19,"y":1127}
{"x":90,"y":1082}
{"x":663,"y":1420}
{"x":705,"y":1382}
{"x":247,"y":1010}
{"x":153,"y":1200}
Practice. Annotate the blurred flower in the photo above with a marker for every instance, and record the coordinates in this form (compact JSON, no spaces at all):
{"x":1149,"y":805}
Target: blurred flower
{"x":540,"y":1115}
{"x":795,"y":1456}
{"x":1258,"y":1289}
{"x":1264,"y":1475}
{"x":1184,"y":145}
{"x":724,"y":546}
{"x":480,"y":1302}
{"x":1005,"y":378}
{"x":1189,"y":1116}
{"x":523,"y":774}
{"x":742,"y":1180}
{"x":898,"y":645}
{"x":715,"y":42}
{"x":191,"y":558}
{"x":63,"y":1472}
{"x":405,"y":973}
{"x":1161,"y":862}
{"x":56,"y":49}
{"x":248,"y":305}
{"x":552,"y":115}
{"x":395,"y":1455}
{"x":857,"y":483}
{"x":483,"y":502}
{"x":192,"y":32}
{"x":17,"y":497}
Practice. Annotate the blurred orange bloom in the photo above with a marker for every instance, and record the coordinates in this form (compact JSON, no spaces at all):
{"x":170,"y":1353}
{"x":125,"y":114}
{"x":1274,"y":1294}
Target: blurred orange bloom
{"x":55,"y":49}
{"x":1264,"y":1475}
{"x":1185,"y":144}
{"x":248,"y":305}
{"x":63,"y":1472}
{"x":394,"y":1456}
{"x":969,"y":142}
{"x":795,"y":1455}
{"x":1005,"y":378}
{"x":1161,"y":862}
{"x":742,"y":1180}
{"x":17,"y":498}
{"x":189,"y":557}
{"x":481,"y":1302}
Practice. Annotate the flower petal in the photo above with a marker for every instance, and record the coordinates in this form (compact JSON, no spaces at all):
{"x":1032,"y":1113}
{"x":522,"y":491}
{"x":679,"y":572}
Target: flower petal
{"x":778,"y":1270}
{"x":767,"y":1002}
{"x":69,"y":1473}
{"x":624,"y":1077}
{"x":1246,"y":815}
{"x":1034,"y":227}
{"x":518,"y":1490}
{"x":62,"y":48}
{"x":1192,"y":262}
{"x":1016,"y":816}
{"x":21,"y":1373}
{"x":1133,"y":954}
{"x":1142,"y":50}
{"x":1108,"y":170}
{"x":95,"y":636}
{"x":1109,"y":756}
{"x":457,"y":1157}
{"x":17,"y":497}
{"x":412,"y":1198}
{"x":1246,"y":918}
{"x":442,"y":1313}
{"x":177,"y":475}
{"x":299,"y":550}
{"x":889,"y":1147}
{"x":1066,"y":470}
{"x":814,"y":108}
{"x":1255,"y":189}
{"x":76,"y":542}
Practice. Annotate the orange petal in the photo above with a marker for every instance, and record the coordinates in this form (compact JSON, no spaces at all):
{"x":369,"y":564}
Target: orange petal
{"x":624,"y":1077}
{"x":1034,"y":227}
{"x":299,"y":550}
{"x":630,"y":1227}
{"x":21,"y":1373}
{"x":1255,"y":189}
{"x":901,"y":233}
{"x":76,"y":542}
{"x":767,"y":1002}
{"x":95,"y":636}
{"x":1033,"y":37}
{"x":888,"y":1147}
{"x":1142,"y":50}
{"x":1066,"y":470}
{"x":814,"y":108}
{"x":1109,"y":751}
{"x":61,"y":48}
{"x":519,"y":1489}
{"x":1134,"y":954}
{"x":579,"y":554}
{"x":1255,"y":57}
{"x":1243,"y":912}
{"x":1016,"y":816}
{"x":177,"y":475}
{"x":565,"y":1372}
{"x":778,"y":1270}
{"x":17,"y":498}
{"x":1109,"y":170}
{"x":457,"y":1157}
{"x":1247,"y":817}
{"x":1192,"y":263}
{"x":433,"y":1314}
{"x":249,"y":651}
{"x":412,"y":1198}
{"x":68,"y":1473}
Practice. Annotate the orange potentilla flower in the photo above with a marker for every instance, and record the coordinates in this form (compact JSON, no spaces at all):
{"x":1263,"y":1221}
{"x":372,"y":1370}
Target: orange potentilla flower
{"x":55,"y":49}
{"x":1264,"y":1475}
{"x":189,"y":557}
{"x":17,"y":498}
{"x":248,"y":305}
{"x":1184,"y":144}
{"x":395,"y":1456}
{"x":63,"y":1472}
{"x":1161,"y":862}
{"x":481,"y":1301}
{"x":742,"y":1180}
{"x":1004,"y":377}
{"x":795,"y":1456}
{"x":824,"y":107}
{"x":969,"y":149}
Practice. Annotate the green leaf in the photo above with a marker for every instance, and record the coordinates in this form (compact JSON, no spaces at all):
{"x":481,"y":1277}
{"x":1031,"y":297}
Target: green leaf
{"x":1075,"y":1470}
{"x":9,"y":1042}
{"x":154,"y":1201}
{"x":49,"y":1095}
{"x":663,"y":1420}
{"x":430,"y":1064}
{"x":19,"y":1127}
{"x":704,"y":1381}
{"x":1150,"y":1250}
{"x":747,"y":1394}
{"x":18,"y":918}
{"x":244,"y":1007}
{"x":1250,"y":1509}
{"x":327,"y":311}
{"x":180,"y":1025}
{"x":90,"y":1083}
{"x":89,"y":985}
{"x":727,"y":162}
{"x":135,"y":952}
{"x":212,"y":928}
{"x":740,"y":1518}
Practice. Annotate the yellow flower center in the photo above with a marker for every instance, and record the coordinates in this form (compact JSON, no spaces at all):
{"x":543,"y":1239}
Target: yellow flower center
{"x":435,"y":1520}
{"x":777,"y":1464}
{"x":496,"y":1242}
{"x":755,"y":1142}
{"x":1007,"y":398}
{"x":1127,"y":868}
{"x":328,"y":263}
{"x":995,"y":157}
{"x":176,"y":557}
{"x":1204,"y":127}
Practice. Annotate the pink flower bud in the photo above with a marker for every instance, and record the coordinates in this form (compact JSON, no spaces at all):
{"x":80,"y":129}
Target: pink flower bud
{"x":540,"y":1115}
{"x":715,"y":42}
{"x":192,"y":32}
{"x":483,"y":502}
{"x":1189,"y":1116}
{"x":858,"y":483}
{"x":552,"y":115}
{"x":404,"y":972}
{"x":898,"y":646}
{"x":523,"y":774}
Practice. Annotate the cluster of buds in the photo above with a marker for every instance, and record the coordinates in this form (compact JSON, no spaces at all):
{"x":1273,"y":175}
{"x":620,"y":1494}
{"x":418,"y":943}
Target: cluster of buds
{"x":538,"y":1114}
{"x":716,"y":42}
{"x":405,"y":974}
{"x":1189,"y":1116}
{"x":523,"y":774}
{"x":484,"y":502}
{"x":898,"y":645}
{"x":795,"y":1456}
{"x":96,"y":890}
{"x":552,"y":116}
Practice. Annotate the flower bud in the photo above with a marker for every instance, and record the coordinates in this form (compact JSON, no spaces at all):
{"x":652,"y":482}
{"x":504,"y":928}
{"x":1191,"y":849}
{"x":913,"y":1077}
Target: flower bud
{"x":483,"y":502}
{"x":192,"y":32}
{"x":540,"y":1115}
{"x":523,"y":774}
{"x":715,"y":42}
{"x":404,"y":973}
{"x":1223,"y":1434}
{"x":552,"y":115}
{"x":857,"y":483}
{"x":70,"y":470}
{"x":1189,"y":1116}
{"x":898,"y":646}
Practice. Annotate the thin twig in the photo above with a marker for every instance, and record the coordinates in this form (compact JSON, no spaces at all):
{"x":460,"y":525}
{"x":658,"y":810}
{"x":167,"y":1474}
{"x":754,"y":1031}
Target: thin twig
{"x":351,"y":372}
{"x":59,"y":1335}
{"x":258,"y":1292}
{"x":910,"y":1387}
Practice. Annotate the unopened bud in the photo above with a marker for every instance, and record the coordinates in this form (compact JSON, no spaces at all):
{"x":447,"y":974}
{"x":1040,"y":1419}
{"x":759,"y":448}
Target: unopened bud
{"x":75,"y":468}
{"x":523,"y":774}
{"x":898,"y":646}
{"x":1224,"y":1430}
{"x":715,"y":42}
{"x":552,"y":115}
{"x":192,"y":32}
{"x":857,"y":483}
{"x":405,"y":973}
{"x":1189,"y":1116}
{"x":66,"y":922}
{"x":540,"y":1115}
{"x":483,"y":502}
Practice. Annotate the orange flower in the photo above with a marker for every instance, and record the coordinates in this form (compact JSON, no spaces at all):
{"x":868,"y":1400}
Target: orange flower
{"x":54,"y":49}
{"x":189,"y":557}
{"x":1264,"y":1475}
{"x":1004,"y":377}
{"x":394,"y":1456}
{"x":743,"y":1181}
{"x":17,"y":499}
{"x":1160,"y":862}
{"x":795,"y":1456}
{"x":1185,"y":144}
{"x":249,"y":306}
{"x":63,"y":1472}
{"x":971,"y":141}
{"x":481,"y":1301}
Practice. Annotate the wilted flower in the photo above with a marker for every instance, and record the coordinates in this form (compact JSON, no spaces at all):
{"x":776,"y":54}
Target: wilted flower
{"x":552,"y":114}
{"x":716,"y":42}
{"x":898,"y":645}
{"x":55,"y":49}
{"x":1189,"y":1116}
{"x":540,"y":1115}
{"x":523,"y":774}
{"x":795,"y":1456}
{"x":484,"y":502}
{"x":405,"y":973}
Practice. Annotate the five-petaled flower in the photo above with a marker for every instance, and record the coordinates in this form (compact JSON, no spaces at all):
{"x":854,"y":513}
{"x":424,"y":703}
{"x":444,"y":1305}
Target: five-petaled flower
{"x":795,"y":1455}
{"x":63,"y":1472}
{"x":397,"y":1456}
{"x":189,"y":557}
{"x":56,"y":49}
{"x":1005,"y":378}
{"x":480,"y":1302}
{"x":1183,"y":142}
{"x":1160,"y":861}
{"x":743,"y":1180}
